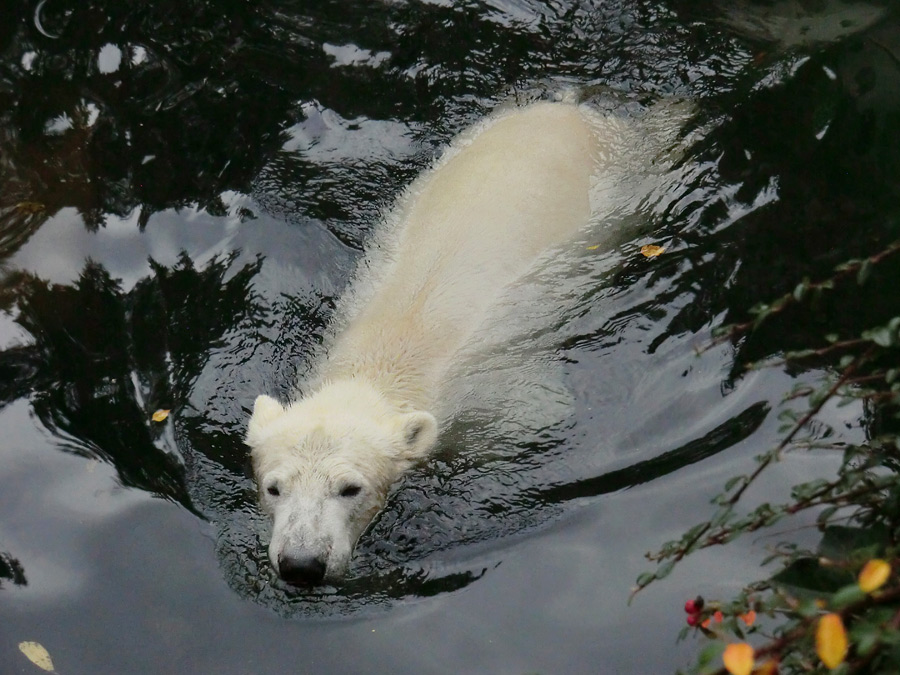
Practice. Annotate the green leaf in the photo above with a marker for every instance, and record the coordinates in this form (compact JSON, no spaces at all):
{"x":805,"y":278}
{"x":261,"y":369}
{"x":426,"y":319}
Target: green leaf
{"x":710,"y":658}
{"x":722,"y":516}
{"x":665,"y":569}
{"x":865,"y":636}
{"x":807,"y":490}
{"x":806,"y":578}
{"x":808,"y":608}
{"x":865,"y":270}
{"x":847,"y":543}
{"x":826,"y":514}
{"x":734,"y":481}
{"x":848,"y":595}
{"x":884,"y":336}
{"x":788,"y":414}
{"x":645,"y":579}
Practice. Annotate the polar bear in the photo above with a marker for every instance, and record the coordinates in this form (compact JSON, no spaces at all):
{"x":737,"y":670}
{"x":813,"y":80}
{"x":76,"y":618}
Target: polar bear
{"x":506,"y":191}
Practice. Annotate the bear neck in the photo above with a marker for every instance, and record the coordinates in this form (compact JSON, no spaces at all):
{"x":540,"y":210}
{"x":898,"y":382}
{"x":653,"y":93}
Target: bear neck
{"x":405,"y":364}
{"x":358,"y":396}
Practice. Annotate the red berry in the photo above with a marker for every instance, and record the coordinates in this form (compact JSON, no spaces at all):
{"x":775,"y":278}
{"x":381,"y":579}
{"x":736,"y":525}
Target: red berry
{"x":693,"y":619}
{"x":691,"y":607}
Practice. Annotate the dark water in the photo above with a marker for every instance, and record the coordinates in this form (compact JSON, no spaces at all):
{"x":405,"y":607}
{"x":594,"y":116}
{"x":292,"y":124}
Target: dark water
{"x":185,"y":189}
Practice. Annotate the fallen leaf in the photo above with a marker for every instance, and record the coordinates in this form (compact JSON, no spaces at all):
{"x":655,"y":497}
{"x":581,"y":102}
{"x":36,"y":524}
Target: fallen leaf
{"x":831,"y":640}
{"x":35,"y":652}
{"x":749,"y":618}
{"x":160,"y":415}
{"x":593,"y":248}
{"x":738,"y":658}
{"x":651,"y":251}
{"x":874,"y":574}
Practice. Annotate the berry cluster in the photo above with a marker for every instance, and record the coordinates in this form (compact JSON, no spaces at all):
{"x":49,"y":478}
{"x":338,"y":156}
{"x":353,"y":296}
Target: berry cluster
{"x":694,"y":609}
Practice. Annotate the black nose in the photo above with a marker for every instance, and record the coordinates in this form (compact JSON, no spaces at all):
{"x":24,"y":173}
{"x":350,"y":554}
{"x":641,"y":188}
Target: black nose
{"x":305,"y":571}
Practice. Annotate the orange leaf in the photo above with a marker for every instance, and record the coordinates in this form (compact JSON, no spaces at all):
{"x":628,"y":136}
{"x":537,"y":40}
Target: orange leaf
{"x":706,"y":623}
{"x":874,"y":574}
{"x":718,"y":616}
{"x":651,"y":251}
{"x":749,"y":617}
{"x":160,"y":415}
{"x":768,"y":668}
{"x":738,"y":659}
{"x":831,"y":640}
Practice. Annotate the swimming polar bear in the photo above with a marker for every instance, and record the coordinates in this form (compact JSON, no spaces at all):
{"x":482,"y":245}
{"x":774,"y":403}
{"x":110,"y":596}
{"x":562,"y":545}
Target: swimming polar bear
{"x":506,"y":191}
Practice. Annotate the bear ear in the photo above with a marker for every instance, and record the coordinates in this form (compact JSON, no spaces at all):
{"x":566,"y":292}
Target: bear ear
{"x":418,"y":433}
{"x":265,"y":410}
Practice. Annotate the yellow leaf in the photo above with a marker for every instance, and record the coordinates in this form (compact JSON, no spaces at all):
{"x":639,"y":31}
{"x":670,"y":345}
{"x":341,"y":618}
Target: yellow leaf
{"x":593,"y":248}
{"x":160,"y":415}
{"x":650,"y":251}
{"x":30,"y":208}
{"x":36,"y":653}
{"x":738,"y":659}
{"x":831,"y":640}
{"x":874,"y":574}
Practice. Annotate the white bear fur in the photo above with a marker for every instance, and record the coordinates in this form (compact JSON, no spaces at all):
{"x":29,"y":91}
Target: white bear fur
{"x":505,"y":192}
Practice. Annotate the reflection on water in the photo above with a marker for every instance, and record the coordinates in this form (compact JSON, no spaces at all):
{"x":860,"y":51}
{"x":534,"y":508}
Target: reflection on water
{"x":187,"y":186}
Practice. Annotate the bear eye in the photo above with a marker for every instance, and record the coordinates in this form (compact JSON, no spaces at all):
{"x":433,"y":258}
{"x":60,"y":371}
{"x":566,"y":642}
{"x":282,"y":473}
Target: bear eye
{"x":273,"y":490}
{"x":350,"y":490}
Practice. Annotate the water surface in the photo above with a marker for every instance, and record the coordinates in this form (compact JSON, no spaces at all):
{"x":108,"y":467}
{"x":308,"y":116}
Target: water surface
{"x":186,"y":189}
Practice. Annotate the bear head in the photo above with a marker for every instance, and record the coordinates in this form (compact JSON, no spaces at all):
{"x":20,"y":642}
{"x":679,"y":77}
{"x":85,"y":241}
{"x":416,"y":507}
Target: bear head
{"x":323,"y":466}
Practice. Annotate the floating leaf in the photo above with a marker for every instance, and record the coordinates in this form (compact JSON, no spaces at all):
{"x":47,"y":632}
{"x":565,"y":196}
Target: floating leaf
{"x":160,"y":415}
{"x":30,"y":208}
{"x":831,"y":640}
{"x":874,"y":574}
{"x":738,"y":658}
{"x":651,"y":251}
{"x":593,"y":248}
{"x":35,"y":652}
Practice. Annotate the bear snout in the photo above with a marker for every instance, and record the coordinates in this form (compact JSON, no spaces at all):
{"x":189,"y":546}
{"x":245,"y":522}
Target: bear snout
{"x":301,"y":570}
